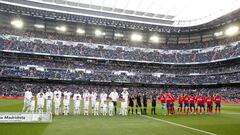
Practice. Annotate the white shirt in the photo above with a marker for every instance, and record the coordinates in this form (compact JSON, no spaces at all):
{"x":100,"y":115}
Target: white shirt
{"x":28,"y":95}
{"x":57,"y":100}
{"x":68,"y":94}
{"x":125,"y":96}
{"x":66,"y":102}
{"x":38,"y":95}
{"x":49,"y":102}
{"x":40,"y":100}
{"x":94,"y":97}
{"x":77,"y":102}
{"x":86,"y":97}
{"x":75,"y":97}
{"x":114,"y":96}
{"x":49,"y":93}
{"x":103,"y":97}
{"x":57,"y":92}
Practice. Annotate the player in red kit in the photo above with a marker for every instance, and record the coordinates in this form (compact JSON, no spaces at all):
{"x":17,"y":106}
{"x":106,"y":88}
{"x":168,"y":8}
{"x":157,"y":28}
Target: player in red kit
{"x":180,"y":102}
{"x":162,"y":99}
{"x":172,"y":104}
{"x":200,"y":102}
{"x":209,"y":103}
{"x":192,"y":101}
{"x":169,"y":103}
{"x":186,"y":103}
{"x":203,"y":103}
{"x":217,"y":101}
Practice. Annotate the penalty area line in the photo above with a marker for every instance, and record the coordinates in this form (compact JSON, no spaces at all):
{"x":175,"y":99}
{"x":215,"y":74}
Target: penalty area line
{"x":180,"y":125}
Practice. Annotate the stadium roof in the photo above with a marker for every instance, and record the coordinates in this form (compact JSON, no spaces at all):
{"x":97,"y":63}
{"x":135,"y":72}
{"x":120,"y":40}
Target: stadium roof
{"x":178,"y":13}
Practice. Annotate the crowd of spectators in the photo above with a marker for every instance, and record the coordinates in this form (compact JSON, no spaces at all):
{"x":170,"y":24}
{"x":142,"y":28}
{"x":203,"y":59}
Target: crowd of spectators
{"x":17,"y":89}
{"x":66,"y":64}
{"x":119,"y":53}
{"x":110,"y":76}
{"x":117,"y":42}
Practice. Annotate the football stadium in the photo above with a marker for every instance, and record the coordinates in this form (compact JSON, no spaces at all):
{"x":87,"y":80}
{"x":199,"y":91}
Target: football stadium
{"x":119,"y":67}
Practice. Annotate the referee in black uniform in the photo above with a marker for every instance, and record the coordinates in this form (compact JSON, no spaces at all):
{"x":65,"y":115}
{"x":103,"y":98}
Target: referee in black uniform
{"x":145,"y":103}
{"x":138,"y":102}
{"x":154,"y":102}
{"x":131,"y":104}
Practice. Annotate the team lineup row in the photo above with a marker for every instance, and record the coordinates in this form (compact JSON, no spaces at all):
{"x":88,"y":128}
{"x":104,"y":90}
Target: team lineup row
{"x":107,"y":104}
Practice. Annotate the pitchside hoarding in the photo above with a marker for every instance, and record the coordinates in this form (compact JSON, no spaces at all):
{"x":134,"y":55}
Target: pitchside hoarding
{"x":10,"y":117}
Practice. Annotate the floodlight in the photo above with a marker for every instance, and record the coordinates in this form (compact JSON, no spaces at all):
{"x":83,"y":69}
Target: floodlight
{"x":80,"y":31}
{"x":39,"y":26}
{"x":99,"y":33}
{"x":217,"y":34}
{"x":118,"y":35}
{"x":61,"y":28}
{"x":232,"y":30}
{"x":154,"y":39}
{"x":17,"y":23}
{"x":136,"y":37}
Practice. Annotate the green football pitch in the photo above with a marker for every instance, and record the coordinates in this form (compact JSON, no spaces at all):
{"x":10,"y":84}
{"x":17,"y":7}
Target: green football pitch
{"x":226,"y":123}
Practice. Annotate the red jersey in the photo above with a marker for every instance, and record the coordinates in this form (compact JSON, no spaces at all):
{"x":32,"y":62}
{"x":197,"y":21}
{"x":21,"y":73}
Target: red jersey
{"x":172,"y":98}
{"x":192,"y":99}
{"x":162,"y":98}
{"x":203,"y":100}
{"x":199,"y":99}
{"x":186,"y":99}
{"x":209,"y":100}
{"x":169,"y":99}
{"x":180,"y":99}
{"x":218,"y":99}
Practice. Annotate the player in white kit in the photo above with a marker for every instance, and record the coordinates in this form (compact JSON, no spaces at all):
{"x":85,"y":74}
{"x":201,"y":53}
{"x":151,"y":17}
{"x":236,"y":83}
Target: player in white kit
{"x":114,"y":97}
{"x":124,"y":103}
{"x":104,"y":113}
{"x":68,"y":95}
{"x":77,"y":102}
{"x":110,"y":108}
{"x":57,"y":103}
{"x":103,"y":98}
{"x":59,"y":93}
{"x":49,"y":104}
{"x":86,"y":98}
{"x":40,"y":102}
{"x":93,"y":100}
{"x":49,"y":98}
{"x":32,"y":108}
{"x":27,"y":100}
{"x":66,"y":104}
{"x":96,"y":107}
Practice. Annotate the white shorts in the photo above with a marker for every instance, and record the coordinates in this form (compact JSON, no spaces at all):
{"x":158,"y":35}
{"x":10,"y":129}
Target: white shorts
{"x":86,"y":105}
{"x":40,"y":105}
{"x":124,"y":105}
{"x":93,"y":103}
{"x":57,"y":104}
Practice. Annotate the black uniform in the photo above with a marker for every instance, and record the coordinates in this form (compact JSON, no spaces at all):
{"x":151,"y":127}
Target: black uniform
{"x":154,"y":102}
{"x":131,"y":104}
{"x":138,"y":103}
{"x":144,"y":100}
{"x":145,"y":104}
{"x":153,"y":109}
{"x":131,"y":101}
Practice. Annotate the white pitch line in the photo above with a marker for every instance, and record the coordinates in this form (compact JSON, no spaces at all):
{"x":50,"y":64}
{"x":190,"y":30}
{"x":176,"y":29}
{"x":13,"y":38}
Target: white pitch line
{"x":180,"y":125}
